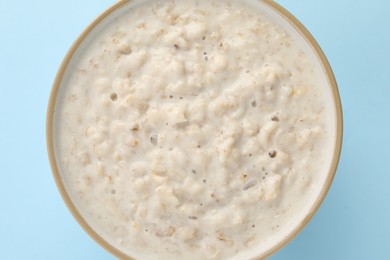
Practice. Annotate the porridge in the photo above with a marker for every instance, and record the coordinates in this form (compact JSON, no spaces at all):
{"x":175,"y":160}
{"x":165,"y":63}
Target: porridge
{"x":193,"y":130}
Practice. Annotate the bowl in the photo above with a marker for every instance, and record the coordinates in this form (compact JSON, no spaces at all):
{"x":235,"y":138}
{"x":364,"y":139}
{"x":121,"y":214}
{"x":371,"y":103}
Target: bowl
{"x":282,"y":18}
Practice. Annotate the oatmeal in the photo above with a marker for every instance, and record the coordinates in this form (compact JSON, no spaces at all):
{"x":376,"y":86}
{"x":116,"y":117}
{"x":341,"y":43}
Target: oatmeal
{"x":193,"y":130}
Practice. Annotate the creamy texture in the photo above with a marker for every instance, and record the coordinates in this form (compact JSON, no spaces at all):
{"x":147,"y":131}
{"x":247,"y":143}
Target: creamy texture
{"x":192,"y":130}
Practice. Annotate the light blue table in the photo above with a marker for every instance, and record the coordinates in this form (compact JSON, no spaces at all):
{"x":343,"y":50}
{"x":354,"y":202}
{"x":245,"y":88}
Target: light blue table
{"x":354,"y":220}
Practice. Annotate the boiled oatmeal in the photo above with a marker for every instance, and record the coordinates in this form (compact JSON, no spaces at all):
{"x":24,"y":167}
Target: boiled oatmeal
{"x":192,"y":130}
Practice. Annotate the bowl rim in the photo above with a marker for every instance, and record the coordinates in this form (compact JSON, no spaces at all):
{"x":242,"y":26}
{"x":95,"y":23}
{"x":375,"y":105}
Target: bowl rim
{"x":305,"y":34}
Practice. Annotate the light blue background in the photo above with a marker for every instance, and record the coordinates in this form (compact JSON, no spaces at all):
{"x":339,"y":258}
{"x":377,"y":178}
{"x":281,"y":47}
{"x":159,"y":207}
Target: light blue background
{"x":352,"y":223}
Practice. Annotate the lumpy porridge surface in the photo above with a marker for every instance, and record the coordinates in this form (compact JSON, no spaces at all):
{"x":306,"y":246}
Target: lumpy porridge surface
{"x":191,"y":130}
